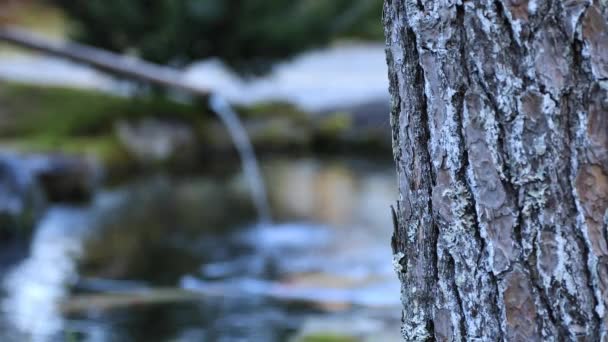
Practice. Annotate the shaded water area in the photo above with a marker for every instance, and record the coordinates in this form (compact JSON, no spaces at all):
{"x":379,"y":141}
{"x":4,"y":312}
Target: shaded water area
{"x":183,"y":259}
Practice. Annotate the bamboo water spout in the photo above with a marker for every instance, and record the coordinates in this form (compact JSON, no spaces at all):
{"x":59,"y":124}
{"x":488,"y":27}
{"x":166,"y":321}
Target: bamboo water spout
{"x":166,"y":77}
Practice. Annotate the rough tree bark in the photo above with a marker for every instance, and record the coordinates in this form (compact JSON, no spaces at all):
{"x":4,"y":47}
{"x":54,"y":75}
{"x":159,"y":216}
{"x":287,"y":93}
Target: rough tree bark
{"x":500,"y":139}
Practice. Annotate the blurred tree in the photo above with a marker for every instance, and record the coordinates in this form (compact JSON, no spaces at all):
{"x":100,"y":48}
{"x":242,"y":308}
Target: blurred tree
{"x":247,"y":34}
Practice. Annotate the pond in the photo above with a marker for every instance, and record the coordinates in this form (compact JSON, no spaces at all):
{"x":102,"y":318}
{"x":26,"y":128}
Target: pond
{"x":167,"y":258}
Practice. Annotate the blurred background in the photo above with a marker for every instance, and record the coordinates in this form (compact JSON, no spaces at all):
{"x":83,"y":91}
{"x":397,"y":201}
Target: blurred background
{"x":134,"y":210}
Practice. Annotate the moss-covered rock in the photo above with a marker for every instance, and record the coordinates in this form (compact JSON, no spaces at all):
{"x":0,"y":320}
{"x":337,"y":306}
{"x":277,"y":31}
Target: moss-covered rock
{"x":57,"y":112}
{"x":93,"y":124}
{"x":29,"y":182}
{"x":83,"y":122}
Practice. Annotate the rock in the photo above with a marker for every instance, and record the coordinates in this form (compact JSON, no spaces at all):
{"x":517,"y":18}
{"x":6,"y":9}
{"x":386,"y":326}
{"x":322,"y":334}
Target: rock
{"x":68,"y":179}
{"x":152,"y":140}
{"x":21,"y":199}
{"x":29,"y":183}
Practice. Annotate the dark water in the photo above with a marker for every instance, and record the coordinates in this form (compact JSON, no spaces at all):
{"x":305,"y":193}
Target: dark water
{"x":165,"y":259}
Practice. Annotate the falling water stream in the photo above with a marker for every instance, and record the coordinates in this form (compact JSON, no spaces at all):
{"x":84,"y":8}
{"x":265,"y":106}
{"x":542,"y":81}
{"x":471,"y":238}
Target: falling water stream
{"x":251,"y":168}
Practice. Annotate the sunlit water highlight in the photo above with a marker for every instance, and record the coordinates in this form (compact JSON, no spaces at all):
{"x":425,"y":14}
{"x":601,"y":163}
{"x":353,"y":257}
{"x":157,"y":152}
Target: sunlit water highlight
{"x":37,"y":285}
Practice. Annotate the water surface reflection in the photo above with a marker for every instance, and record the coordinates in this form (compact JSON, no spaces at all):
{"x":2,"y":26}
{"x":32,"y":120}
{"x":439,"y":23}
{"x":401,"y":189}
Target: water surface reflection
{"x":183,"y":260}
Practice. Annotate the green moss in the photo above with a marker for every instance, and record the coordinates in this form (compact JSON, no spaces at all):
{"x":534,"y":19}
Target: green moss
{"x":59,"y":112}
{"x":82,"y":122}
{"x":334,"y":124}
{"x":106,"y":148}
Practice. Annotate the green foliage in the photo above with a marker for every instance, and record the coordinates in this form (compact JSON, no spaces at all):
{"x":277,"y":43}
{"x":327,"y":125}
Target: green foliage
{"x":247,"y":34}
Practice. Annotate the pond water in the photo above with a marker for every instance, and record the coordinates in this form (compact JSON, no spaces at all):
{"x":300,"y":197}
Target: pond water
{"x":183,"y":259}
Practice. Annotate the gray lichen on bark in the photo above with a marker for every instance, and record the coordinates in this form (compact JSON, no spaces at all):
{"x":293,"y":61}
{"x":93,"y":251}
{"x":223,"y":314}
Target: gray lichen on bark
{"x":500,"y":139}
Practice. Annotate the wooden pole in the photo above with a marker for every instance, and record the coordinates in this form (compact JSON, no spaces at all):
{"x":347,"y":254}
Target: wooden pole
{"x":112,"y":63}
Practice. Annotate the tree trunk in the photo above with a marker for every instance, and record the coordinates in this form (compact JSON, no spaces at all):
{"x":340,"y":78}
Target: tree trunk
{"x":500,"y":138}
